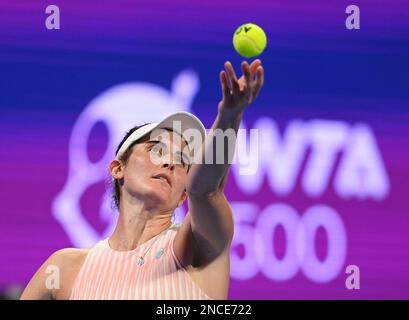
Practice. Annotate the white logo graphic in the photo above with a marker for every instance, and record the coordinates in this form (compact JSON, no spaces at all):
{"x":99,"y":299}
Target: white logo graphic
{"x":300,"y":253}
{"x":360,"y":173}
{"x":352,"y":282}
{"x":53,"y":20}
{"x":352,"y":22}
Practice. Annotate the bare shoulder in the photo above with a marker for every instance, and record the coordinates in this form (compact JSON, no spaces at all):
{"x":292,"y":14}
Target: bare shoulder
{"x":69,"y":255}
{"x":70,"y":261}
{"x":55,"y":277}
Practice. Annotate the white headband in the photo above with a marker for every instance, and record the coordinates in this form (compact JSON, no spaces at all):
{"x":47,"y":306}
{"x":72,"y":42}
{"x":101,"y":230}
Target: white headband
{"x":186,"y":121}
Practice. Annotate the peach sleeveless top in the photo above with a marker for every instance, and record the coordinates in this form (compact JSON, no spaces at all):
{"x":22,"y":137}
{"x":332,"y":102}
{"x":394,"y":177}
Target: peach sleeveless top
{"x":110,"y":274}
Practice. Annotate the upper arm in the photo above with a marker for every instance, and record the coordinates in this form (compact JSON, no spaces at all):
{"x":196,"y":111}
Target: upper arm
{"x":207,"y":230}
{"x":51,"y":279}
{"x":212,"y":218}
{"x":37,"y":289}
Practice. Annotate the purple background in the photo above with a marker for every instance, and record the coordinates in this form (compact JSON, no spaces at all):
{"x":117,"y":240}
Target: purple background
{"x":315,"y":68}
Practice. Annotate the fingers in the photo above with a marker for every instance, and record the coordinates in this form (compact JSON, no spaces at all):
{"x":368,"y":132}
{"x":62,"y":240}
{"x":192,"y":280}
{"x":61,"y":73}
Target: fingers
{"x":245,"y":86}
{"x":259,"y":81}
{"x":247,"y":77}
{"x":233,"y":79}
{"x":253,"y":67}
{"x":225,"y":85}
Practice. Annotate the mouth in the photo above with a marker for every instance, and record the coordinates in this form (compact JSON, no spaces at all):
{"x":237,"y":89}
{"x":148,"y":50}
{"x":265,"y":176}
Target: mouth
{"x":164,"y":178}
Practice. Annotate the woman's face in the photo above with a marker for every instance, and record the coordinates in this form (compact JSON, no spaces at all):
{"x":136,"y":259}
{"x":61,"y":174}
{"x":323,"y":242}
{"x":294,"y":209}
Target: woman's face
{"x":156,"y":170}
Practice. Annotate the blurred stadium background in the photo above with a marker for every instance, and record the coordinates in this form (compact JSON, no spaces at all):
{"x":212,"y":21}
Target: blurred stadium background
{"x":333,"y":115}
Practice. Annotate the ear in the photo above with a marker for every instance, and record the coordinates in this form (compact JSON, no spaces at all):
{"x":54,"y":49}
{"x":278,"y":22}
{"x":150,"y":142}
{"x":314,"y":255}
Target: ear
{"x":182,"y":198}
{"x":116,"y":169}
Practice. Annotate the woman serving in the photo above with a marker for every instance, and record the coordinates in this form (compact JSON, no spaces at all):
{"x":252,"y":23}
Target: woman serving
{"x":155,"y":169}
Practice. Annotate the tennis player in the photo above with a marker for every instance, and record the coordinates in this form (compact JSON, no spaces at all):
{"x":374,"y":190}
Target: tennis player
{"x":156,"y":168}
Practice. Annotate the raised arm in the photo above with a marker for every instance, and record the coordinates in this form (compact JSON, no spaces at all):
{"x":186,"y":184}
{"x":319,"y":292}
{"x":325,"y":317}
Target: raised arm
{"x":210,"y":216}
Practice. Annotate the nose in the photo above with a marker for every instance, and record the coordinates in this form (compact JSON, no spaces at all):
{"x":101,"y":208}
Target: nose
{"x":171,"y":166}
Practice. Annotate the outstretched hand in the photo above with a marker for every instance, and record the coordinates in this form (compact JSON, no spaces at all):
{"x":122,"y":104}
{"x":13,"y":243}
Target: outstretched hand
{"x":239,"y":93}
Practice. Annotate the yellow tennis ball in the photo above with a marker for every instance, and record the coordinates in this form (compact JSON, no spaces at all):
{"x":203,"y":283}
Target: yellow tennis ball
{"x":249,"y":40}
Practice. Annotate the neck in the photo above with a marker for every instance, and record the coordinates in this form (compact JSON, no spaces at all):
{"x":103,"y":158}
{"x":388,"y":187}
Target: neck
{"x":137,"y":224}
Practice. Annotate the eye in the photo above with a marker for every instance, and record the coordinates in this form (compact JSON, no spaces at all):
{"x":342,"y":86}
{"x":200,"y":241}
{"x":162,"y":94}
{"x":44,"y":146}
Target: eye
{"x":156,"y":149}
